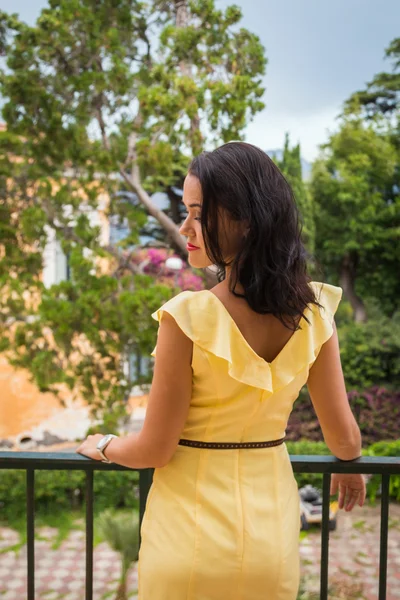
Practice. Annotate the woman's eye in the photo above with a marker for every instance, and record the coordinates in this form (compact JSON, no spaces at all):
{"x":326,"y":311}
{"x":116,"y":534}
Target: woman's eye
{"x":195,"y":218}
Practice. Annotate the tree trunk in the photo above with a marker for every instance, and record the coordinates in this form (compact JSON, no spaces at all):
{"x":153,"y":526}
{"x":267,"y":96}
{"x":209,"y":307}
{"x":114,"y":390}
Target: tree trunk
{"x":347,"y":279}
{"x":133,"y":179}
{"x":121,"y":591}
{"x":168,"y":225}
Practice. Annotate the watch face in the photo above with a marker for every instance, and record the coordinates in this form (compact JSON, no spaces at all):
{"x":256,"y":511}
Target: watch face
{"x":102,"y":442}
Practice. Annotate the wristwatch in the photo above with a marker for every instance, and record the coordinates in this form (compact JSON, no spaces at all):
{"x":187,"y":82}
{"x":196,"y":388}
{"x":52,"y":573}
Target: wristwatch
{"x":102,"y":445}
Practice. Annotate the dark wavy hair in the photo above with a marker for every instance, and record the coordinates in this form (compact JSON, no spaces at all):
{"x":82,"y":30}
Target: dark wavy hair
{"x":271,"y":263}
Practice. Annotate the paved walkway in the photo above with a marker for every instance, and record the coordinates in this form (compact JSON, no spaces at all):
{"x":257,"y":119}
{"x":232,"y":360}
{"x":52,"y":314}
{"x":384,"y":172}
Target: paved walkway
{"x":353,"y":561}
{"x":354,"y":553}
{"x":60,"y":574}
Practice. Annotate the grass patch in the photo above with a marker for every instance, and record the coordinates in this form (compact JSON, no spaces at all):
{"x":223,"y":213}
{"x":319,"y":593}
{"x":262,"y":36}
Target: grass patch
{"x":394,"y":523}
{"x":362,"y":526}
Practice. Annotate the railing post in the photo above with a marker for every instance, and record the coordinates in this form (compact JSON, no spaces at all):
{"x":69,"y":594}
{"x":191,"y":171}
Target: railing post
{"x":325,"y":536}
{"x":30,"y":531}
{"x":89,"y":535}
{"x":145,"y":481}
{"x":384,"y":536}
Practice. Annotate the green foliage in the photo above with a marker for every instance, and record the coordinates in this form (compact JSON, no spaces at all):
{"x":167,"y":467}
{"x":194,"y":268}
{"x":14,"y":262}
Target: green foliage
{"x":370,"y":352}
{"x":121,"y":531}
{"x":91,"y":91}
{"x":356,"y":225}
{"x":112,"y":316}
{"x":384,"y":448}
{"x":290,"y":166}
{"x":60,"y":490}
{"x":382,"y":93}
{"x":355,"y":187}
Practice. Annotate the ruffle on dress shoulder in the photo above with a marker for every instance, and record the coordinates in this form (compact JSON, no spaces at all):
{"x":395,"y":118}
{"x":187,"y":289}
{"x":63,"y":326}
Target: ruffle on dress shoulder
{"x":312,"y":336}
{"x":206,"y":321}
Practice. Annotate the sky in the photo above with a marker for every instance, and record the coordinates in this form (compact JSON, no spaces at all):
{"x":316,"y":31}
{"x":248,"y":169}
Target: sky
{"x":319,"y":52}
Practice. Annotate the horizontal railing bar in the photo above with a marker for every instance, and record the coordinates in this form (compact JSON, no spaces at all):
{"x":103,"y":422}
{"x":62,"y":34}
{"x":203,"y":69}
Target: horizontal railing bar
{"x":368,"y":465}
{"x":300,"y":463}
{"x":55,"y":460}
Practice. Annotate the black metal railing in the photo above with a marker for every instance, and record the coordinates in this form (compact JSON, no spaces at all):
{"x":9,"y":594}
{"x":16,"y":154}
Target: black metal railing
{"x":33,"y":461}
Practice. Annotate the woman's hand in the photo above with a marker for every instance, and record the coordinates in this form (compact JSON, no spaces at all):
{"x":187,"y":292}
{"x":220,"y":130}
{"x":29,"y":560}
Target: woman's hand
{"x":88,"y":446}
{"x":351,"y":488}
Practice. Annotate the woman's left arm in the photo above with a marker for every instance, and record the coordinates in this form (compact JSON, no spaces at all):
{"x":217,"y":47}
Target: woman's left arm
{"x":167,"y":409}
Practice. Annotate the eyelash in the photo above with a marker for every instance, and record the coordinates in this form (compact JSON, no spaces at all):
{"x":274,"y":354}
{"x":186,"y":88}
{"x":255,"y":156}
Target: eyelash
{"x":195,"y":218}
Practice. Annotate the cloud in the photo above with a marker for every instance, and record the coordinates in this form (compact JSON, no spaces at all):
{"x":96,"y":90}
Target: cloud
{"x":310,"y":129}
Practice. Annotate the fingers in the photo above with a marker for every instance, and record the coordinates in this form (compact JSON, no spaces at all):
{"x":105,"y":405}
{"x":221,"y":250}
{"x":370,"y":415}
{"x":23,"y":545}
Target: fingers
{"x":334,"y":485}
{"x":363,"y":494}
{"x":342,"y":494}
{"x":352,"y":497}
{"x":349,"y":496}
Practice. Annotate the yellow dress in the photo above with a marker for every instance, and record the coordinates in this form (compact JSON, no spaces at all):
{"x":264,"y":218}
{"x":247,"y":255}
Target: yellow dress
{"x":224,"y":524}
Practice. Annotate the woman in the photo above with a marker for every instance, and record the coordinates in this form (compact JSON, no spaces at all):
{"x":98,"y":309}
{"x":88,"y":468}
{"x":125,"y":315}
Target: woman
{"x":222,"y":518}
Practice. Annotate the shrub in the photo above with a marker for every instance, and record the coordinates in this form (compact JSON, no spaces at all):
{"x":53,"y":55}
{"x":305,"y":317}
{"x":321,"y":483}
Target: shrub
{"x":62,"y":490}
{"x":370,"y":352}
{"x":376,"y":410}
{"x":384,"y":449}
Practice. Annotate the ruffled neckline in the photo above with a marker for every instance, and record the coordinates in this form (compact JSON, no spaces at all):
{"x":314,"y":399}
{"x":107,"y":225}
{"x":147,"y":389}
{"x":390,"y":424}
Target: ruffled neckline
{"x":207,"y":322}
{"x":241,"y":337}
{"x":244,"y":364}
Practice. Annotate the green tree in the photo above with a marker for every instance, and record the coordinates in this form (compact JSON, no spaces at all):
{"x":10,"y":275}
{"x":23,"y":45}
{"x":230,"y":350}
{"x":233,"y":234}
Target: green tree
{"x":103,"y":96}
{"x":358,"y":214}
{"x":356,"y":186}
{"x":382,"y":94}
{"x":290,"y":166}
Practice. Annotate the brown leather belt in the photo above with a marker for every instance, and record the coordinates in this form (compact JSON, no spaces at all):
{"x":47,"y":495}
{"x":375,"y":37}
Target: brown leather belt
{"x":230,"y":446}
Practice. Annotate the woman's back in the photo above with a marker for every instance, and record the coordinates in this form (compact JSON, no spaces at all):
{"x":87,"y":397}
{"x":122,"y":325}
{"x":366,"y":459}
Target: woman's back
{"x":233,"y":513}
{"x":265,"y":334}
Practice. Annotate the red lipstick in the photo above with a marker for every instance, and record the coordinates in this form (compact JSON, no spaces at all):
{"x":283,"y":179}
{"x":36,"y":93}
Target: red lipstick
{"x":190,"y":247}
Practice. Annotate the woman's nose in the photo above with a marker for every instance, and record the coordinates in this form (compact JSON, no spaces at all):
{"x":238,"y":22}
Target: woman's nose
{"x":183,"y":228}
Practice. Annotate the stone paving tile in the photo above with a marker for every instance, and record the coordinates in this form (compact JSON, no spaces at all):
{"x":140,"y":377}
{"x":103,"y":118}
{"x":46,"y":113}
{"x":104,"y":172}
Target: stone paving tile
{"x":354,"y":550}
{"x":60,"y":574}
{"x":63,"y":573}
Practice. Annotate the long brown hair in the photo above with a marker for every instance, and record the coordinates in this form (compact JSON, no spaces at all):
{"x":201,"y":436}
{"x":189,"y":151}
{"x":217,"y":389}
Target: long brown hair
{"x":271,"y":264}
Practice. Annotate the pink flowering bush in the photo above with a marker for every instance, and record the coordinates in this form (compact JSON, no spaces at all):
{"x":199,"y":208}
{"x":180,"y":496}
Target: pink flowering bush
{"x":153,"y":262}
{"x":376,"y":410}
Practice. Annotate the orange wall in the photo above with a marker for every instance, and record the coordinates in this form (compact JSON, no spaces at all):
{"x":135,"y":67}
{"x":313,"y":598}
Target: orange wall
{"x":23,"y":407}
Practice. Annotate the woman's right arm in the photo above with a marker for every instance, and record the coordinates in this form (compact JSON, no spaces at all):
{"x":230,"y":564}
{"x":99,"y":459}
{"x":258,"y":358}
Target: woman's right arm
{"x":327,"y":391}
